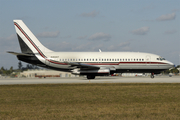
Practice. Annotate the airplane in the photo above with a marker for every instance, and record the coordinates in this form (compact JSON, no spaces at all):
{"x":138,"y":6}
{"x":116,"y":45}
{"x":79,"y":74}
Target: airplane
{"x":91,"y":64}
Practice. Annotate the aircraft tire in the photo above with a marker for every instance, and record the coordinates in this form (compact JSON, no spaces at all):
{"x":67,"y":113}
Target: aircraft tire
{"x":152,"y":76}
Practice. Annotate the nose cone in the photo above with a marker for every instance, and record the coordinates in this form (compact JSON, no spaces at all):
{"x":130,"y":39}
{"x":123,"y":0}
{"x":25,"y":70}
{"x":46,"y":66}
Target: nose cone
{"x":171,"y":64}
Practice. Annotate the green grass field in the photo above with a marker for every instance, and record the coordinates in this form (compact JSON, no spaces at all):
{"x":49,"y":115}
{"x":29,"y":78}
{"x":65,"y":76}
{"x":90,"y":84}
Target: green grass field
{"x":90,"y":101}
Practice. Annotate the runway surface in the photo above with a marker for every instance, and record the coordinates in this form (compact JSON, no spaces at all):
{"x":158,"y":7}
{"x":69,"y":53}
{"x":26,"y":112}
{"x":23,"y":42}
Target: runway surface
{"x":161,"y":79}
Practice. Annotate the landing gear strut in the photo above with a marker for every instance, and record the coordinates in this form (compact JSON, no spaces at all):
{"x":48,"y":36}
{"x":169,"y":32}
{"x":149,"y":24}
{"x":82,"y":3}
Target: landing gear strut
{"x":90,"y":76}
{"x":152,"y":75}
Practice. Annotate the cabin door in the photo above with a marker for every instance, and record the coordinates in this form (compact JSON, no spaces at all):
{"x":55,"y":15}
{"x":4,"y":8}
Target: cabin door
{"x":148,"y":60}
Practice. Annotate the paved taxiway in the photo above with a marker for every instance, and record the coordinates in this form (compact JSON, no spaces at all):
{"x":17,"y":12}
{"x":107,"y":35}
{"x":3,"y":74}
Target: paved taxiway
{"x":162,"y":79}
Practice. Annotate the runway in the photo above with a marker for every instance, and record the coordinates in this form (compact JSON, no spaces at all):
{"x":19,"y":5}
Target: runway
{"x":161,"y":79}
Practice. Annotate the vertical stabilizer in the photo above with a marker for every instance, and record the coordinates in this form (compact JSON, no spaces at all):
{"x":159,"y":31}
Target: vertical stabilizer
{"x":27,"y":41}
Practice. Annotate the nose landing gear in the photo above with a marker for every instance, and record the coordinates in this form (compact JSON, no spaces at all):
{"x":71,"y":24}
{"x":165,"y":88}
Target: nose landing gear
{"x":152,"y":75}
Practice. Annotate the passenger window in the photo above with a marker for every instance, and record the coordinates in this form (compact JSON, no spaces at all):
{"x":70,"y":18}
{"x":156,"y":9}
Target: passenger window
{"x":142,"y":59}
{"x":128,"y":59}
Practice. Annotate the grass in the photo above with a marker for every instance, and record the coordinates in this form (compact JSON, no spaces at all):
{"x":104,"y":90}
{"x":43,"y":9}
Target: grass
{"x":90,"y":101}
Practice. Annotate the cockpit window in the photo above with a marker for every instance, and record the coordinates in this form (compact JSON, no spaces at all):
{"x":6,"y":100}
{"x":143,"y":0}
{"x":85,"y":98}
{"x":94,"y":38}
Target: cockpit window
{"x":160,"y":58}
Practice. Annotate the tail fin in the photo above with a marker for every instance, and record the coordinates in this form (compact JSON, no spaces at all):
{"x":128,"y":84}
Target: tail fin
{"x":28,"y":42}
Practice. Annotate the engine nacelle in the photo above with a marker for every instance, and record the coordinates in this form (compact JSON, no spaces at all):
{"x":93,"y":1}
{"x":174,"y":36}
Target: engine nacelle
{"x":100,"y":72}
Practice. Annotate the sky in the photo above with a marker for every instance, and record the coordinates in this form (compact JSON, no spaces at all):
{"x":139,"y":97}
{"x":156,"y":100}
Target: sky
{"x":151,"y":26}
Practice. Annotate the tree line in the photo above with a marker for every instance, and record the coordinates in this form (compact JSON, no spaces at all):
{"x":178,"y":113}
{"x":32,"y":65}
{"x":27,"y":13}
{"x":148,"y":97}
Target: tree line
{"x":8,"y":72}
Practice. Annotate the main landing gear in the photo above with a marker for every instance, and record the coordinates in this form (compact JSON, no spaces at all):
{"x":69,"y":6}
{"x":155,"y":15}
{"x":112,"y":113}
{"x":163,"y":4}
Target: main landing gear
{"x":152,"y":75}
{"x":90,"y":76}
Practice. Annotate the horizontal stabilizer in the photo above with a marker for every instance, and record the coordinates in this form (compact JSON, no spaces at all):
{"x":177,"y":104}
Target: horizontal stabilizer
{"x":15,"y":53}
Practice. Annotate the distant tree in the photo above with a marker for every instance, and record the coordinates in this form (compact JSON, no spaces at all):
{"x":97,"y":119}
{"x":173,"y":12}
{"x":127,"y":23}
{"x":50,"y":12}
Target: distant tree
{"x":2,"y":69}
{"x":34,"y":67}
{"x":29,"y":66}
{"x":175,"y":70}
{"x":20,"y":65}
{"x":166,"y":72}
{"x":6,"y":71}
{"x":11,"y":69}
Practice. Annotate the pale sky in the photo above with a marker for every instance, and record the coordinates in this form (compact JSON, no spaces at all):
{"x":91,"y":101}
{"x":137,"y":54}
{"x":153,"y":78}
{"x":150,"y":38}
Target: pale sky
{"x":151,"y":26}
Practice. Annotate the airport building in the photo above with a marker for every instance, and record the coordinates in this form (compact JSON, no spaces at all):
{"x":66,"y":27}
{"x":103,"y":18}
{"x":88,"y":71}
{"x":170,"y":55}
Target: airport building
{"x":45,"y":73}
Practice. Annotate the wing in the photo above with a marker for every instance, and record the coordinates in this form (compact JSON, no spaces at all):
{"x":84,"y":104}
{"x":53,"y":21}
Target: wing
{"x":89,"y":67}
{"x":81,"y":65}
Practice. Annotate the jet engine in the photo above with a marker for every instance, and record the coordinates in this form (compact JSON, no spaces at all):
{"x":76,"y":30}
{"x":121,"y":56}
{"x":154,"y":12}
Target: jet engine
{"x":98,"y":72}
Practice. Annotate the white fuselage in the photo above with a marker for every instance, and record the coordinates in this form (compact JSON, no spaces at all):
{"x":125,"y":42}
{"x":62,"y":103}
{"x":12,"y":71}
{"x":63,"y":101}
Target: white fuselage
{"x":118,"y":60}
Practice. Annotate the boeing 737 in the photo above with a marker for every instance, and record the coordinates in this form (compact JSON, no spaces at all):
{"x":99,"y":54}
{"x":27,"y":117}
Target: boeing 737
{"x":91,"y":64}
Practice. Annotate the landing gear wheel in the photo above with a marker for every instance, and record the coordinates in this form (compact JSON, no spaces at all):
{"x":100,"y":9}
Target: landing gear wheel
{"x":152,"y":75}
{"x":90,"y":76}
